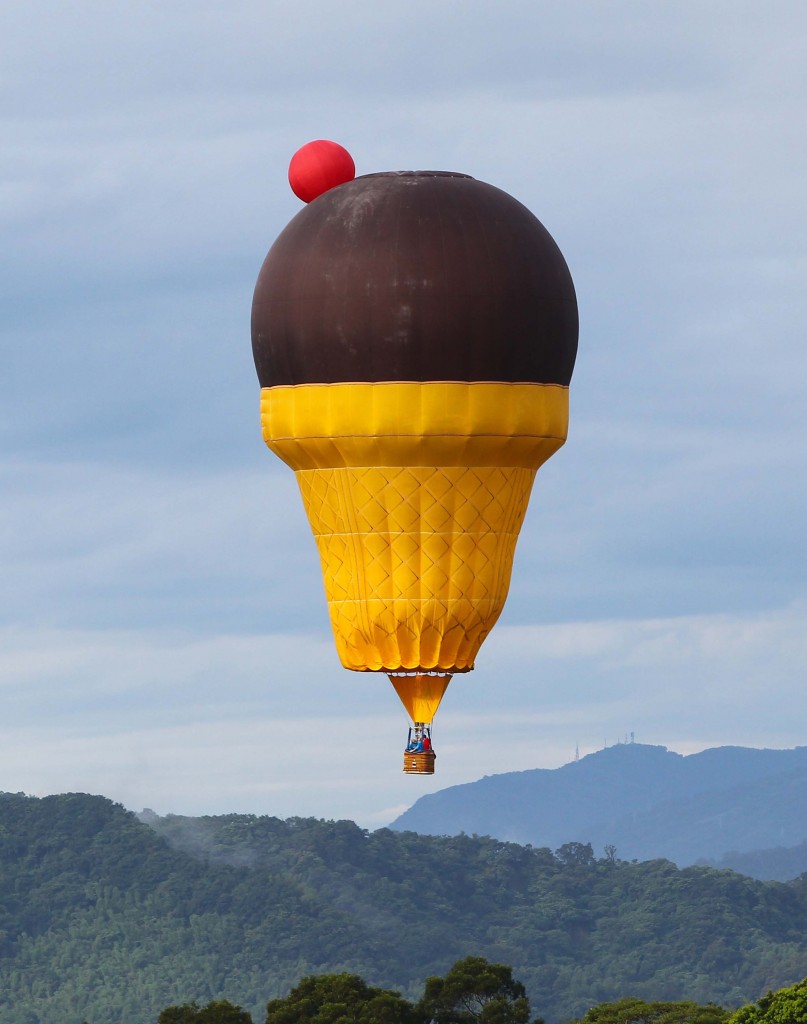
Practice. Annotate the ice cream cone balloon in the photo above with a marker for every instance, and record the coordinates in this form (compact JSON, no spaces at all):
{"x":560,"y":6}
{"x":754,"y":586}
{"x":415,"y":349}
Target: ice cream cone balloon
{"x":414,"y":335}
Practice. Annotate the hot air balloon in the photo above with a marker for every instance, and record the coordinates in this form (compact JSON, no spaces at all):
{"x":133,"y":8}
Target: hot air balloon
{"x":414,"y":335}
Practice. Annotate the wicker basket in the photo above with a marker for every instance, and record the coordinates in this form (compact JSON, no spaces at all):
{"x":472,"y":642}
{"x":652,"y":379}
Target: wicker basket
{"x":421,"y":763}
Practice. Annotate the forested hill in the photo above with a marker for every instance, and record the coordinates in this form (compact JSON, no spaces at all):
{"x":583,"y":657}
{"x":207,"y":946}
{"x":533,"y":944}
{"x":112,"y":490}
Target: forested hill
{"x":645,"y":800}
{"x":102,"y":919}
{"x":780,"y":862}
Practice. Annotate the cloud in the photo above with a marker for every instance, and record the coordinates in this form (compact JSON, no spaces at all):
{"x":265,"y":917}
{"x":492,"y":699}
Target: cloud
{"x":148,"y":52}
{"x":85,"y":544}
{"x":160,"y":592}
{"x":270,"y":724}
{"x":704,"y":676}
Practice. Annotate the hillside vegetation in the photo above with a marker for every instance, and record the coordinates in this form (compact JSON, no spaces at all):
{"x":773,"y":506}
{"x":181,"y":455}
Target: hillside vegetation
{"x":107,"y":919}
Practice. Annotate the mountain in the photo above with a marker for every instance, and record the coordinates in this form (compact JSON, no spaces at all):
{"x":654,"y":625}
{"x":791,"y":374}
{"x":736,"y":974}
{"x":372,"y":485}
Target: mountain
{"x":644,"y":800}
{"x":779,"y":863}
{"x":108,"y":919}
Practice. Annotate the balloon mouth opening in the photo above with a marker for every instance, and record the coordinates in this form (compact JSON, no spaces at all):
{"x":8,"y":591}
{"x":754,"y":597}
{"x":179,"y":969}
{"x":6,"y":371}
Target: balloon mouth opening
{"x":432,"y":673}
{"x":411,"y":673}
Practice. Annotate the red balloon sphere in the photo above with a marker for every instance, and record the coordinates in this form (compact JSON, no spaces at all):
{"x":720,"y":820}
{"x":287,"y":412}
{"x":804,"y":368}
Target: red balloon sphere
{"x":318,"y":166}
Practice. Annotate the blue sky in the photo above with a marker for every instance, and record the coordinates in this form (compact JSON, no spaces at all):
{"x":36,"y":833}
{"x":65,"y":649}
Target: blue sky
{"x":163,"y":632}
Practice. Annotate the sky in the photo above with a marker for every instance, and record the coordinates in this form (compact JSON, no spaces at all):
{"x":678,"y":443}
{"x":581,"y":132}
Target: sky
{"x":164,"y":638}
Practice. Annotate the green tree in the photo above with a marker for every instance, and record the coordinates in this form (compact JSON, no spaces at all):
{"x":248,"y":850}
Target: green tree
{"x":219,"y":1011}
{"x":475,"y":991}
{"x":340,"y":999}
{"x":637,"y":1011}
{"x":576,"y":855}
{"x":787,"y":1006}
{"x":186,"y":1014}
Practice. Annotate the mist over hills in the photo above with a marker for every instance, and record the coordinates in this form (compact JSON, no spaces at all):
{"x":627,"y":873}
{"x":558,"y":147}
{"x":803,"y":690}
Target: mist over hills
{"x":106,"y":918}
{"x":778,"y":863}
{"x":646,"y":801}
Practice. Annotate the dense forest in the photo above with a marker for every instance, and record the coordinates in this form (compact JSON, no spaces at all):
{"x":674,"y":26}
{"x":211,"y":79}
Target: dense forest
{"x":474,"y":992}
{"x":106,"y":919}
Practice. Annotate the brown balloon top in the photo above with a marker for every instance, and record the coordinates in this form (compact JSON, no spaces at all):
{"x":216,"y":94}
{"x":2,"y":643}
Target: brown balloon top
{"x":417,"y":276}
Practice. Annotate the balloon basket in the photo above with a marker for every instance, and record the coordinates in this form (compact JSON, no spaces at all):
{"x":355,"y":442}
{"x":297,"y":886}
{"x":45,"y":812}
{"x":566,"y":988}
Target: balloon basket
{"x":420,"y":763}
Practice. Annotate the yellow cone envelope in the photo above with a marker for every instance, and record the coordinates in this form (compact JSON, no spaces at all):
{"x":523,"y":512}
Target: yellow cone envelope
{"x":414,"y":335}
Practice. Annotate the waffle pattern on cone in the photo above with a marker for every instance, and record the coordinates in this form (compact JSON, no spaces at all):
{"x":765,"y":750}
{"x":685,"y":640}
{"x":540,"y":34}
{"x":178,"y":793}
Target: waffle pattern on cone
{"x":416,"y":560}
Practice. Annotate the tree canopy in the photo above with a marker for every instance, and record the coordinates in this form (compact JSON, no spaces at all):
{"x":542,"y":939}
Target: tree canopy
{"x":476,"y":992}
{"x":787,"y":1006}
{"x":637,"y":1011}
{"x":473,"y":992}
{"x":218,"y":1011}
{"x":340,"y":999}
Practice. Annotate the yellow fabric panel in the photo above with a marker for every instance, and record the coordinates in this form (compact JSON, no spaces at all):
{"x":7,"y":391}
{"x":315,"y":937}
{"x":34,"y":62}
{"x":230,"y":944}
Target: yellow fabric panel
{"x":421,"y":695}
{"x":416,"y":492}
{"x":409,"y":423}
{"x":416,"y":560}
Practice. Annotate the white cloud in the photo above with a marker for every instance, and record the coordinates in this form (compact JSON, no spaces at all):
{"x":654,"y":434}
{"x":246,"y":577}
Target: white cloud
{"x":160,"y":588}
{"x":81,"y":543}
{"x":270,"y":724}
